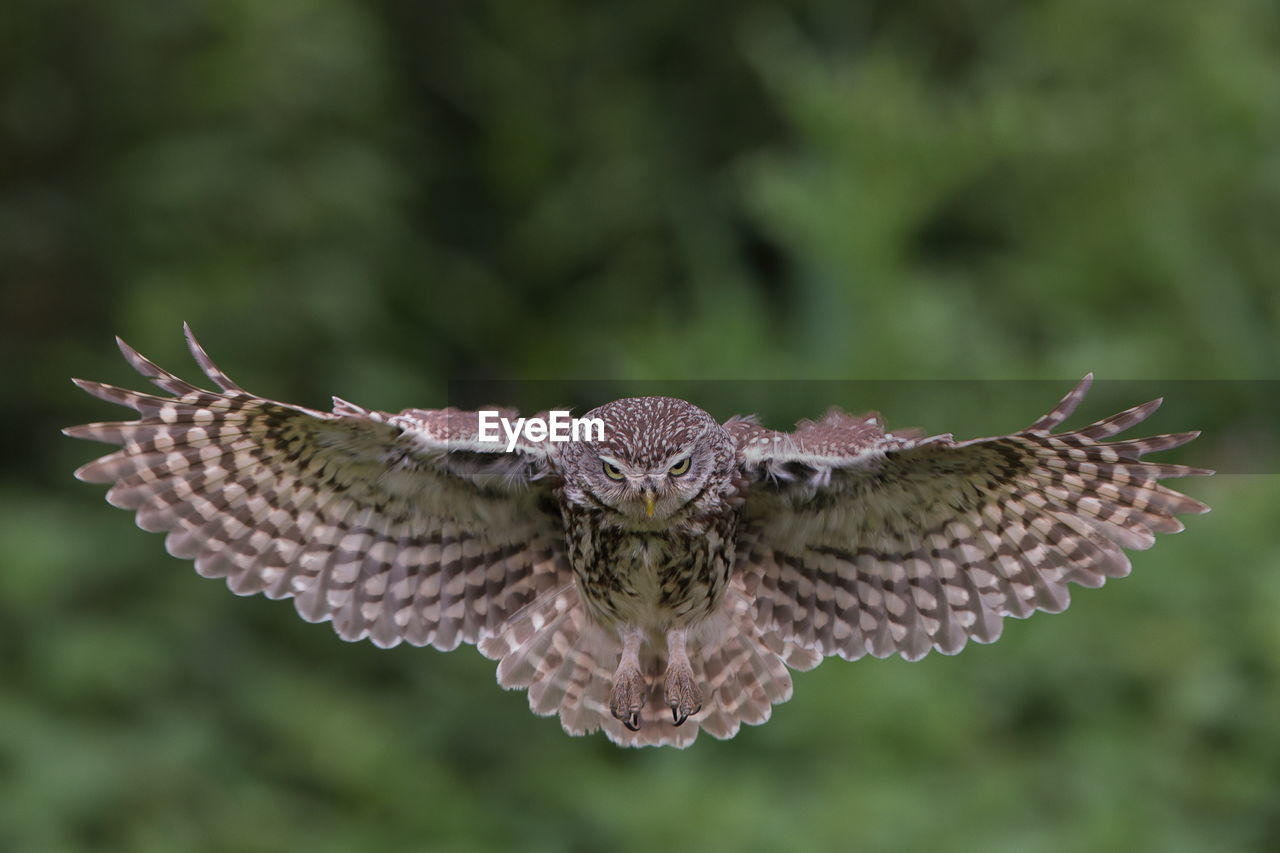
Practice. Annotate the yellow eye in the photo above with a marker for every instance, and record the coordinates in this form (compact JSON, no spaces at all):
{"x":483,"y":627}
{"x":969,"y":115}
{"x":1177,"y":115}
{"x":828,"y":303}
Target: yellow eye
{"x":679,"y":468}
{"x":613,"y":472}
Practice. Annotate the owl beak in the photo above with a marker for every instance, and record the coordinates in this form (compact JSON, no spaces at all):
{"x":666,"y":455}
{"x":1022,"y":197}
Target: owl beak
{"x":648,"y":502}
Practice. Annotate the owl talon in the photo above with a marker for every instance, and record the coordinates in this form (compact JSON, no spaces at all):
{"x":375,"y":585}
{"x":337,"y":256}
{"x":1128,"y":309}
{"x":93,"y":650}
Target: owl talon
{"x":681,"y":691}
{"x":684,"y":698}
{"x":629,"y":687}
{"x":678,"y":717}
{"x":628,"y":698}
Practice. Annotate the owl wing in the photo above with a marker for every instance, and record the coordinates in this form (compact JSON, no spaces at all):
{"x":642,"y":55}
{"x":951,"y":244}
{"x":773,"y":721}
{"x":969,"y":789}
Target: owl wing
{"x":856,"y":540}
{"x":395,"y":527}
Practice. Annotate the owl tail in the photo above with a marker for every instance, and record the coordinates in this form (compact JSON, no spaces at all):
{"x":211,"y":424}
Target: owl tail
{"x":567,"y":663}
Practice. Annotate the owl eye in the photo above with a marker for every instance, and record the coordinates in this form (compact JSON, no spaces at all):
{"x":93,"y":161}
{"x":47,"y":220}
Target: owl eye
{"x":680,"y":468}
{"x":613,"y":472}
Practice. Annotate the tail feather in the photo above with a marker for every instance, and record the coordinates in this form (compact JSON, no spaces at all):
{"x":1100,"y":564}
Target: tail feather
{"x":567,"y":662}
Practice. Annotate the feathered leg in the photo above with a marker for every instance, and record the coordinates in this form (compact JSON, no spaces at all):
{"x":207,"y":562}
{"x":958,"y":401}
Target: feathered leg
{"x":680,"y":690}
{"x":629,"y":687}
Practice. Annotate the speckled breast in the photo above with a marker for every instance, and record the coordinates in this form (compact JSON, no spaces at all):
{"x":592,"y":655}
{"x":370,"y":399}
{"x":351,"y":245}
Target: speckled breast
{"x":653,"y":579}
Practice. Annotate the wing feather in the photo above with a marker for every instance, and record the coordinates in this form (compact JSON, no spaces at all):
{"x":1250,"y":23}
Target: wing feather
{"x":393,"y":527}
{"x":857,"y":541}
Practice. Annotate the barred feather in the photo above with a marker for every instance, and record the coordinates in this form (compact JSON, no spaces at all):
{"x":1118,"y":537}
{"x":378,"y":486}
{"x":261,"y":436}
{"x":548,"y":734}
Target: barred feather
{"x":365,"y":519}
{"x":858,"y":542}
{"x":566,"y":662}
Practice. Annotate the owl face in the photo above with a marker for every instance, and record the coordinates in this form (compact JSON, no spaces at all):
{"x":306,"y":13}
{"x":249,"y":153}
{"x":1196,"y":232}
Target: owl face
{"x":657,"y":457}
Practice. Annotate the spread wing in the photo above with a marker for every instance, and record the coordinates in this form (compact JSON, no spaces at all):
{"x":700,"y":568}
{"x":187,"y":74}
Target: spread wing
{"x":395,"y":527}
{"x":858,"y":541}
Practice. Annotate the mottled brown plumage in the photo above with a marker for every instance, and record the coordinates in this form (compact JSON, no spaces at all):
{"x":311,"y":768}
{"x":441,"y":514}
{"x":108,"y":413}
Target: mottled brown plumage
{"x":651,"y":584}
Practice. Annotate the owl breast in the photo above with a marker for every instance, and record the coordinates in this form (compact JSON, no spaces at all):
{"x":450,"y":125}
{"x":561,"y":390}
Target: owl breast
{"x":653,"y":579}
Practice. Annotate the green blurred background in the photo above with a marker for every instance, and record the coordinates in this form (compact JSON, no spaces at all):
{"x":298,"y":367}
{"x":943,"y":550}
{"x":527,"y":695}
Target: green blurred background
{"x":383,"y":200}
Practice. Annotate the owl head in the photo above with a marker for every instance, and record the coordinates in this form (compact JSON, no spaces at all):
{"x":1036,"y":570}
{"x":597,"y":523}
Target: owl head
{"x":659,"y":459}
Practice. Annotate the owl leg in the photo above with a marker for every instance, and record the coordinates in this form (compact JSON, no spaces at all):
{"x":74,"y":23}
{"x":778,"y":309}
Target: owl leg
{"x":681,"y":691}
{"x":629,"y":687}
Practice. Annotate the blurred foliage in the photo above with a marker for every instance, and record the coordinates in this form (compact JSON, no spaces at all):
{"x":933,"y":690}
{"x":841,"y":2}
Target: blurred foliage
{"x":389,"y":200}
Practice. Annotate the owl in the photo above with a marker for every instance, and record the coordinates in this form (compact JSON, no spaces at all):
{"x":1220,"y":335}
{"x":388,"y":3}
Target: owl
{"x":656,"y":578}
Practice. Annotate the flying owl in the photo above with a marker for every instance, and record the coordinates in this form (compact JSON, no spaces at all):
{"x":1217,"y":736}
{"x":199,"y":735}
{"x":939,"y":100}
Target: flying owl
{"x":653,"y":580}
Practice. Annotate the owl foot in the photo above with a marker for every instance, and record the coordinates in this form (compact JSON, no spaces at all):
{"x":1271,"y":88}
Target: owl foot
{"x":629,"y":687}
{"x":682,"y":694}
{"x":680,"y":689}
{"x":627,"y":697}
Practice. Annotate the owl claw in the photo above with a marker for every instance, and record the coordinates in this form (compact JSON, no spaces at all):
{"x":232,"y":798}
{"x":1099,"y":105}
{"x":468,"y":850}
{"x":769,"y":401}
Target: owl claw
{"x":627,"y":697}
{"x":678,"y":716}
{"x":682,"y":694}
